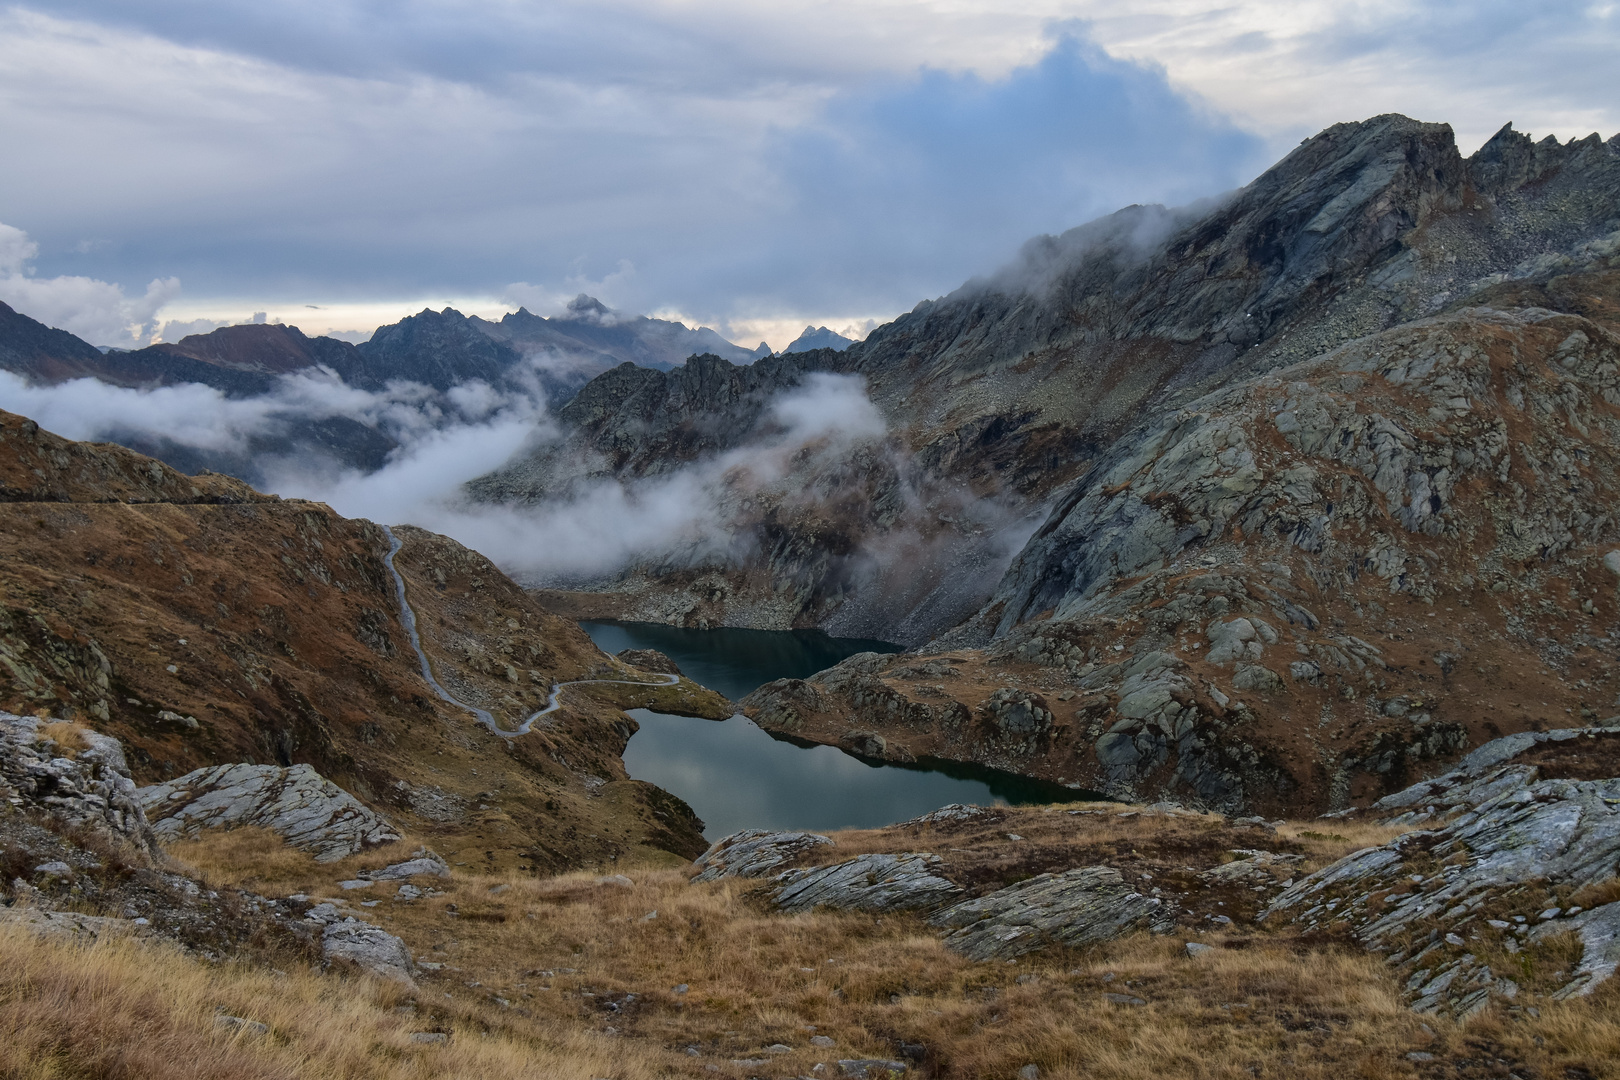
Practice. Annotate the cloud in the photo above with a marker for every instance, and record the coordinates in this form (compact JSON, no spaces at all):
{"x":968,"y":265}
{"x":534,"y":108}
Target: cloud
{"x":97,"y":311}
{"x":820,"y":161}
{"x":830,"y":181}
{"x":821,"y":452}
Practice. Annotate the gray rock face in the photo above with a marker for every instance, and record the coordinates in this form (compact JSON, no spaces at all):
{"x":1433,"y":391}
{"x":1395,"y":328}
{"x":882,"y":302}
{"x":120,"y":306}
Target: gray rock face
{"x":870,"y":1068}
{"x":309,"y":811}
{"x":901,"y":882}
{"x":1514,"y":839}
{"x":91,"y":789}
{"x":949,"y":814}
{"x":1077,"y":907}
{"x":752,"y":853}
{"x":428,"y":864}
{"x":370,"y":947}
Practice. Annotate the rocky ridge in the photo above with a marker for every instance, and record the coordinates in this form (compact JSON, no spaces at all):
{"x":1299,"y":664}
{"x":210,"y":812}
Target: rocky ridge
{"x":1521,"y":860}
{"x":1334,"y":447}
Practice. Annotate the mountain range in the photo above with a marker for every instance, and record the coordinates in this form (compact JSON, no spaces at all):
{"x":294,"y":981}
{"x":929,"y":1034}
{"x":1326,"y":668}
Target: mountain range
{"x":1267,"y":502}
{"x":546,"y":359}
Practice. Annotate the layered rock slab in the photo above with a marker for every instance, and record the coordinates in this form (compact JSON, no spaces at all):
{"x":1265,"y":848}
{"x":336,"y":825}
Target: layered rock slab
{"x":752,"y":853}
{"x":306,"y":809}
{"x":874,"y":883}
{"x":1512,"y":846}
{"x":1078,"y":907}
{"x":371,"y":948}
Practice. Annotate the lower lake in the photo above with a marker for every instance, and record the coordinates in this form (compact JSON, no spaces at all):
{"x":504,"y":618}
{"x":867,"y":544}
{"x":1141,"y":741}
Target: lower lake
{"x":737,"y":776}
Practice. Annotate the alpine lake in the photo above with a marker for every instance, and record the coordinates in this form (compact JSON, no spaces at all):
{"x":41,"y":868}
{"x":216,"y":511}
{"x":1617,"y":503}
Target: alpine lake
{"x":737,"y":776}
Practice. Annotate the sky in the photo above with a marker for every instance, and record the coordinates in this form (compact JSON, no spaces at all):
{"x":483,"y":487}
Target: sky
{"x":177,"y":164}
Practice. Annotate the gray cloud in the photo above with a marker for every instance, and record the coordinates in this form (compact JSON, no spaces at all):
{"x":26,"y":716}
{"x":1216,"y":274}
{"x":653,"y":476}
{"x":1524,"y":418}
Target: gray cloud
{"x":727,"y":160}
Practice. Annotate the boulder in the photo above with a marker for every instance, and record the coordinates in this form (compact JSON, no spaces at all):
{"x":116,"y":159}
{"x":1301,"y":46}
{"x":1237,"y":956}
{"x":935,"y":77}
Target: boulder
{"x":309,"y":811}
{"x":867,"y":883}
{"x":372,"y":948}
{"x":945,"y":815}
{"x":87,"y":787}
{"x":1077,"y":907}
{"x":752,"y":853}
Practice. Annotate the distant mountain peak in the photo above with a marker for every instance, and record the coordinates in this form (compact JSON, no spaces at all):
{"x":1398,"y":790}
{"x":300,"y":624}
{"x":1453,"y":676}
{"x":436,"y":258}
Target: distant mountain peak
{"x":819,"y":337}
{"x":587,"y":307}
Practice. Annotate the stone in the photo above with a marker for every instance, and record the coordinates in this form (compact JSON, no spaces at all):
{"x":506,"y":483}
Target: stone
{"x":307,"y":810}
{"x":616,"y":880}
{"x":1030,"y":1072}
{"x":1259,"y":679}
{"x":871,"y":1068}
{"x":370,"y":947}
{"x":429,"y":1037}
{"x":752,"y":853}
{"x":1195,"y":949}
{"x":822,"y":1041}
{"x":56,"y":868}
{"x":407,"y":892}
{"x":1252,"y":868}
{"x":947,"y":814}
{"x":867,"y":883}
{"x":237,"y":1023}
{"x":91,"y":790}
{"x":1123,"y":999}
{"x":648,"y":660}
{"x":425,"y":864}
{"x":1599,"y":933}
{"x":1077,"y":907}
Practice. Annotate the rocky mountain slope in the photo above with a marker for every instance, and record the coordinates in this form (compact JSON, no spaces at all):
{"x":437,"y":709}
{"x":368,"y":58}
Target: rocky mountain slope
{"x":1324,"y":466}
{"x":203,"y":623}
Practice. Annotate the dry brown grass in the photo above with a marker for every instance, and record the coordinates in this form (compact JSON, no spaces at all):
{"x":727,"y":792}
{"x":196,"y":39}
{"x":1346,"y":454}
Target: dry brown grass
{"x":68,"y":736}
{"x":572,"y":972}
{"x":258,"y":860}
{"x":124,"y":1009}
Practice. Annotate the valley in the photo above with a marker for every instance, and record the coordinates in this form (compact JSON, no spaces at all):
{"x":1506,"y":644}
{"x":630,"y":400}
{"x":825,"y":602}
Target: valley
{"x":1198,"y":639}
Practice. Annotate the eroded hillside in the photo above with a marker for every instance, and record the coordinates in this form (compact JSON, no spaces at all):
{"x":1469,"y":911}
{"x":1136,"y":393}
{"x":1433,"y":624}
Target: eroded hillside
{"x":202,"y":623}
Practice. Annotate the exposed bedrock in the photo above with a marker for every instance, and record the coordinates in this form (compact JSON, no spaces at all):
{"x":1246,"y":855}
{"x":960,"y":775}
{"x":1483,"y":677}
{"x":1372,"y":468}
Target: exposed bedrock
{"x":1514,"y":884}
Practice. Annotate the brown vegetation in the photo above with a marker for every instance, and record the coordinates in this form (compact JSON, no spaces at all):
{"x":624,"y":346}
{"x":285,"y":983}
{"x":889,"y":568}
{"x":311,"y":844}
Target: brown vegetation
{"x":584,"y":973}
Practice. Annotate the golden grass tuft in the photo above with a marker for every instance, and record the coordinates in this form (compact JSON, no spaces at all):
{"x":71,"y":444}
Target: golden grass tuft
{"x":68,"y":736}
{"x":259,"y":860}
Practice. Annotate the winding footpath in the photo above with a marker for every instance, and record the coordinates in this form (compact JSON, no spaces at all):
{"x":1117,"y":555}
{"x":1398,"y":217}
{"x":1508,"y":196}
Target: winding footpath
{"x":407,"y":616}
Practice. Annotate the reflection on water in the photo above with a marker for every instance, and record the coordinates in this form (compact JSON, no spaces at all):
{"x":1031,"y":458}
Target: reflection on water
{"x":737,"y":776}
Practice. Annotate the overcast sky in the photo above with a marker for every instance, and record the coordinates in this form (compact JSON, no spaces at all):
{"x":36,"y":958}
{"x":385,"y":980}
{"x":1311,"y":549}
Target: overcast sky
{"x":747,"y":166}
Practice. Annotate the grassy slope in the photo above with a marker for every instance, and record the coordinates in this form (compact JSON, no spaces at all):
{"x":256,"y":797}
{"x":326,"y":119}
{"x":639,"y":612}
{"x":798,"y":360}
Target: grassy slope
{"x":537,"y":976}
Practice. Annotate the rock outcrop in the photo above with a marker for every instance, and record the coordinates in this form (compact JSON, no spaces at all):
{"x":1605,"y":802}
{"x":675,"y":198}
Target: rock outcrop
{"x":1521,"y":850}
{"x":752,"y":853}
{"x":1077,"y":907}
{"x":346,"y":939}
{"x":86,"y":785}
{"x":905,"y":882}
{"x":306,"y":809}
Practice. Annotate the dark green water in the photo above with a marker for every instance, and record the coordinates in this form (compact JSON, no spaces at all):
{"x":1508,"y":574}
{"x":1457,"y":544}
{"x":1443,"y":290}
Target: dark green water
{"x":737,"y":776}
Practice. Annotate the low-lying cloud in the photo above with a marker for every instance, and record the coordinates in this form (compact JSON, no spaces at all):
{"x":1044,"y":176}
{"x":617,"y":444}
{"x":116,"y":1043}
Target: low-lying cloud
{"x":820,"y":452}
